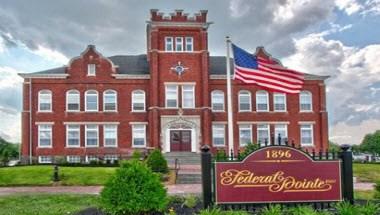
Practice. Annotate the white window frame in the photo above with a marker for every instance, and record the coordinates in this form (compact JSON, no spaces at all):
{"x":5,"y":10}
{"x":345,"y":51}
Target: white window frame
{"x":70,"y":158}
{"x":134,"y":92}
{"x":311,"y":101}
{"x":262,"y":92}
{"x":107,"y":128}
{"x":91,"y":69}
{"x":114,"y":94}
{"x":67,"y":135}
{"x":274,"y":102}
{"x":166,"y":96}
{"x":85,"y":135}
{"x":219,"y":127}
{"x":245,"y":127}
{"x":183,"y":95}
{"x":133,"y":135}
{"x":50,"y":129}
{"x":276,"y":129}
{"x":50,"y":94}
{"x":67,"y":100}
{"x":97,"y":101}
{"x":88,"y":160}
{"x":177,"y":42}
{"x":213,"y":94}
{"x":312,"y":134}
{"x":261,"y":129}
{"x":42,"y":160}
{"x":167,"y":42}
{"x":245,"y":93}
{"x":191,"y":42}
{"x":111,"y":157}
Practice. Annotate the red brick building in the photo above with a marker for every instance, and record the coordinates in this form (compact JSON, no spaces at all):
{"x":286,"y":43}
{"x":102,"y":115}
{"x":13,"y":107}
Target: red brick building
{"x":172,"y":98}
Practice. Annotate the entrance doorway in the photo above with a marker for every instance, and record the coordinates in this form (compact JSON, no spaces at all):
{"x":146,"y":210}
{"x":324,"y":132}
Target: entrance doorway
{"x":180,"y":140}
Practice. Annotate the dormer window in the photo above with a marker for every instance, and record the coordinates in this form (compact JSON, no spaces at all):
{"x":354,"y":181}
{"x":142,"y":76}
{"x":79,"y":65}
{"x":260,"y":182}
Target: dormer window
{"x":179,"y":44}
{"x":169,"y":44}
{"x":91,"y":69}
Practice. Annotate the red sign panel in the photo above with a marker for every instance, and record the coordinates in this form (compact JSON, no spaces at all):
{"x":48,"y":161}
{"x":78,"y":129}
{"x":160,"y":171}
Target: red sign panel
{"x":277,"y":174}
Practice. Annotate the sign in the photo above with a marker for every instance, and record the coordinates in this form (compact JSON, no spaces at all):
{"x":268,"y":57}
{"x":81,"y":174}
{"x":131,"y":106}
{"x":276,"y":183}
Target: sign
{"x":277,"y":174}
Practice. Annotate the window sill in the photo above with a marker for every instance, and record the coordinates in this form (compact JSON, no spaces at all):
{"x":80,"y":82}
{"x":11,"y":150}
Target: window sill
{"x":40,"y":111}
{"x":138,"y":147}
{"x":73,"y":111}
{"x":110,"y":111}
{"x":73,"y":147}
{"x":219,"y":146}
{"x":112,"y":147}
{"x":44,"y":147}
{"x":143,"y":111}
{"x":245,"y":111}
{"x":91,"y":147}
{"x":307,"y":111}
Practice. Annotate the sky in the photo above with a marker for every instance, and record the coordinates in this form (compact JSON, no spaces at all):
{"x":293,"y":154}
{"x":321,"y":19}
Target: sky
{"x":339,"y":38}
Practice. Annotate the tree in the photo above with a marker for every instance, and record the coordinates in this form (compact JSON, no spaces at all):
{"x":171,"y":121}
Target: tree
{"x":8,"y":151}
{"x":371,"y":143}
{"x":334,"y":146}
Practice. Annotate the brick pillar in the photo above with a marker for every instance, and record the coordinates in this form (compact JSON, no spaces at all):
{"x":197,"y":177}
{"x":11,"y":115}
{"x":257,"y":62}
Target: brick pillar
{"x":25,"y":123}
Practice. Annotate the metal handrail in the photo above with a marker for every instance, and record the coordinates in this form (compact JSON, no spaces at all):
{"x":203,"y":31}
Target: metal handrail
{"x":177,"y":166}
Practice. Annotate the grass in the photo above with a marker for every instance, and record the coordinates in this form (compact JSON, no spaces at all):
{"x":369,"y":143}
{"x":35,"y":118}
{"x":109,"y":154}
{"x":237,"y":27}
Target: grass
{"x":364,"y":194}
{"x":367,"y":172}
{"x":42,"y":175}
{"x":44,"y":204}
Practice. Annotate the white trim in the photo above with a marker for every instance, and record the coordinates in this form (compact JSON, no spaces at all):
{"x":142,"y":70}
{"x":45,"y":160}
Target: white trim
{"x":130,"y":76}
{"x":268,"y":134}
{"x":180,"y":42}
{"x":90,"y":67}
{"x":138,"y":123}
{"x":179,"y":24}
{"x":116,"y":136}
{"x":282,"y":137}
{"x":192,"y":44}
{"x":91,"y":123}
{"x":193,"y":96}
{"x":250,"y":100}
{"x":219,"y":122}
{"x":73,"y":156}
{"x":51,"y":136}
{"x":104,"y":100}
{"x":85,"y":136}
{"x":312,"y":135}
{"x":43,"y":76}
{"x":67,"y":104}
{"x":224,"y":134}
{"x":212,"y":100}
{"x":132,"y":102}
{"x":166,"y":95}
{"x":306,"y":122}
{"x":311,"y":101}
{"x":250,"y":129}
{"x":48,"y":92}
{"x":179,"y":83}
{"x":263,"y":122}
{"x":172,"y":44}
{"x":88,"y":161}
{"x":257,"y":104}
{"x":67,"y":136}
{"x":44,"y":123}
{"x":133,"y":136}
{"x":274,"y":102}
{"x":85,"y":101}
{"x":47,"y":156}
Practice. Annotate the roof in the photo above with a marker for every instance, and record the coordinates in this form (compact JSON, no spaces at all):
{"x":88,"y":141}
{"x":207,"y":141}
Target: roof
{"x":138,"y":65}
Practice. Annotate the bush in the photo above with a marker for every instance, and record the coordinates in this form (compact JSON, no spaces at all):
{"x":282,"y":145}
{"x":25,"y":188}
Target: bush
{"x":272,"y":210}
{"x":369,"y":209}
{"x":345,"y":208}
{"x":134,"y":189}
{"x":377,"y":190}
{"x":304,"y":210}
{"x":157,"y":162}
{"x":249,"y":148}
{"x":191,"y":201}
{"x":213,"y":211}
{"x":137,"y":155}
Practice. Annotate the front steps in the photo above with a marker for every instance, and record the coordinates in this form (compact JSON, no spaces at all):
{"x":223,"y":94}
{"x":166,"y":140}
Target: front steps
{"x":189,"y":166}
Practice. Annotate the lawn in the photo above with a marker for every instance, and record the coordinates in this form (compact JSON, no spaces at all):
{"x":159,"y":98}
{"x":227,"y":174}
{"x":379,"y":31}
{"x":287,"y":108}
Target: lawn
{"x":43,"y":204}
{"x":364,"y":194}
{"x":367,"y":172}
{"x":42,"y":175}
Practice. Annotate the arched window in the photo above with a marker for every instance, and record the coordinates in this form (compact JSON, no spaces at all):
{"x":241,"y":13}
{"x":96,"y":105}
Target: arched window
{"x":244,"y":101}
{"x":262,"y":101}
{"x":138,"y":100}
{"x":109,"y":100}
{"x":217,"y":100}
{"x":72,"y":100}
{"x":44,"y":101}
{"x":91,"y":100}
{"x":306,"y":101}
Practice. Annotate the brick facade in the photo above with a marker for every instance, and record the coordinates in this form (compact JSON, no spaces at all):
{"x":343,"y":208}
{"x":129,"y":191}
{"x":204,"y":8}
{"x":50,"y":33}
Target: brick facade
{"x":199,"y":71}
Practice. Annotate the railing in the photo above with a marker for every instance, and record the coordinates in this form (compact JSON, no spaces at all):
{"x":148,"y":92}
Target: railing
{"x":177,"y":167}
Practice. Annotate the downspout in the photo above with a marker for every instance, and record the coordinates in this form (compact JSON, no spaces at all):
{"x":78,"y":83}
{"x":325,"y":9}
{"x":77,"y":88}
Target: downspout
{"x":30,"y":121}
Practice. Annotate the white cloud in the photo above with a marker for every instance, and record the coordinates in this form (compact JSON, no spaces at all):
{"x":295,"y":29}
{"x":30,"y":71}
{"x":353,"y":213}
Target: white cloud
{"x":349,"y":6}
{"x":238,"y":8}
{"x":343,"y":133}
{"x":51,"y":55}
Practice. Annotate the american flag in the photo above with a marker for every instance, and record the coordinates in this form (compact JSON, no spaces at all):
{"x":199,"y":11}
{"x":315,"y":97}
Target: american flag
{"x":266,"y":73}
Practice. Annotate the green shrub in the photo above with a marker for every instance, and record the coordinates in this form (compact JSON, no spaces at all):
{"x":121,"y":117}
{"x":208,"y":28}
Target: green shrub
{"x":137,"y":155}
{"x":157,"y":162}
{"x":213,"y":211}
{"x":134,"y":189}
{"x":272,"y":210}
{"x":345,"y":208}
{"x":235,"y":213}
{"x":248,"y":149}
{"x":377,"y":190}
{"x":221,"y":155}
{"x":303,"y":210}
{"x":369,"y":209}
{"x":190,"y":201}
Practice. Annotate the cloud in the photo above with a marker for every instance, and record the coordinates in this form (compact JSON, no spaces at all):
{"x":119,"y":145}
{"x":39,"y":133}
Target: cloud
{"x":349,"y":6}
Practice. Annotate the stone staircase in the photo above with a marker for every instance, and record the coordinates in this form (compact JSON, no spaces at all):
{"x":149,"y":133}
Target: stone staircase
{"x":189,"y":166}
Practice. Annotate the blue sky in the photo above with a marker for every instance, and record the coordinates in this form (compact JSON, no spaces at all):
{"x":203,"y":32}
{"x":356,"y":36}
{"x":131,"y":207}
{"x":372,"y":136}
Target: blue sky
{"x":338,"y":38}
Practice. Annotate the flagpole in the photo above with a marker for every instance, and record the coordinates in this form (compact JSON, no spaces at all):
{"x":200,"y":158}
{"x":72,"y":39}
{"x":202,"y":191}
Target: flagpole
{"x":229,"y":99}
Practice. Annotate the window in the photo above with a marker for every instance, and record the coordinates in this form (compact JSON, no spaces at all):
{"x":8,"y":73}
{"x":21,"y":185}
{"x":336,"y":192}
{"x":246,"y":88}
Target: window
{"x":92,"y":135}
{"x":91,"y":97}
{"x":44,"y":136}
{"x":305,"y":101}
{"x":90,"y":158}
{"x":110,"y":158}
{"x":169,"y":44}
{"x":244,"y":101}
{"x":279,"y":102}
{"x":188,"y":96}
{"x":44,"y":101}
{"x":218,"y":135}
{"x":189,"y":44}
{"x":178,"y":44}
{"x":307,"y":135}
{"x":282,"y":130}
{"x":72,"y":100}
{"x":138,"y":100}
{"x":262,"y":101}
{"x":45,"y":159}
{"x":138,"y":135}
{"x":73,"y":159}
{"x":171,"y":96}
{"x":263,"y":134}
{"x":110,"y":135}
{"x":91,"y":69}
{"x":109,"y":100}
{"x":72,"y":135}
{"x":217,"y":100}
{"x":245,"y":134}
